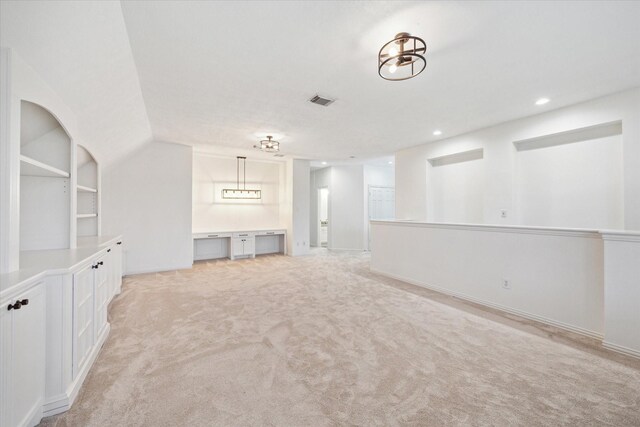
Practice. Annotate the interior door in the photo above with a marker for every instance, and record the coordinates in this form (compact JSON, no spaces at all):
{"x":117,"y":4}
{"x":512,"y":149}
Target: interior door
{"x":382,"y":205}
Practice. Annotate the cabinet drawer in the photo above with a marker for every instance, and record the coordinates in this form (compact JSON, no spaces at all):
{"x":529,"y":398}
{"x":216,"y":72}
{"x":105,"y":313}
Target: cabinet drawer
{"x":270,"y":233}
{"x":211,"y":235}
{"x":244,"y":234}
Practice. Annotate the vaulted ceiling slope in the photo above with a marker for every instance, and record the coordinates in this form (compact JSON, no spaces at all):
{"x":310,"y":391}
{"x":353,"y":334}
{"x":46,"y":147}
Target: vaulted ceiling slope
{"x":82,"y":51}
{"x":228,"y":72}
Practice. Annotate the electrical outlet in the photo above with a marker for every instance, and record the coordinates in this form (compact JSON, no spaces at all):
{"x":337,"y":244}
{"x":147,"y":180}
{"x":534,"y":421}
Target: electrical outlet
{"x":506,"y":284}
{"x":503,"y":213}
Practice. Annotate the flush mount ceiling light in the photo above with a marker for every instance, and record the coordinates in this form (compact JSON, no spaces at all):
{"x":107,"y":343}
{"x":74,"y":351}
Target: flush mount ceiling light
{"x":241,"y":193}
{"x":268,"y":145}
{"x":437,"y":132}
{"x":402,"y":58}
{"x":542,"y":101}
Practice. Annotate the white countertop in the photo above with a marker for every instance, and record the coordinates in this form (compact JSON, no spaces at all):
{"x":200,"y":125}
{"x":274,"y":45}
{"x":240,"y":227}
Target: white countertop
{"x":34,"y":265}
{"x":262,"y":230}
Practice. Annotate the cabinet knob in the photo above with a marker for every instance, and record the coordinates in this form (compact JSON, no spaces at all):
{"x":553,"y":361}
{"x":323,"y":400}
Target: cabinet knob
{"x":101,"y":263}
{"x":94,"y":266}
{"x":119,"y":243}
{"x":18,"y":304}
{"x":109,"y":250}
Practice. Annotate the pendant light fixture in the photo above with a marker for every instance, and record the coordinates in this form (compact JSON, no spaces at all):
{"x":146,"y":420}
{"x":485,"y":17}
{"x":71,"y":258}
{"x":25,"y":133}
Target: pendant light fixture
{"x":402,"y":58}
{"x":268,"y":145}
{"x":241,"y":193}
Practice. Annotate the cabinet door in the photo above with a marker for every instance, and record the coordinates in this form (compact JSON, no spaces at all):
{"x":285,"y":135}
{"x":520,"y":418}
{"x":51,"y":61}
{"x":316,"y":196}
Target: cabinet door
{"x":23,"y":348}
{"x":83,"y":313}
{"x":101,"y":290}
{"x":249,"y":247}
{"x":238,"y":246}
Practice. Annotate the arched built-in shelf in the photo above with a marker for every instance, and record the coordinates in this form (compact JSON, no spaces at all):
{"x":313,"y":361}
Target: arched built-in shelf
{"x":45,"y":172}
{"x":87,"y":189}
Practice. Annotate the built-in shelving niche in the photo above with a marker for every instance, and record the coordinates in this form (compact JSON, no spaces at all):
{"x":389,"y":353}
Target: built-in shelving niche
{"x":572,"y":178}
{"x":45,"y":196}
{"x":88,"y":201}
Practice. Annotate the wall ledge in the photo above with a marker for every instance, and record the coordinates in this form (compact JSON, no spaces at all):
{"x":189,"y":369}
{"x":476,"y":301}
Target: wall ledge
{"x":519,"y":229}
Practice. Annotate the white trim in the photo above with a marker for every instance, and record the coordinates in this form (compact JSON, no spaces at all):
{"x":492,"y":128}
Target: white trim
{"x":154,"y":270}
{"x":622,"y":236}
{"x":520,"y":229}
{"x":56,"y":405}
{"x":542,"y":319}
{"x":621,"y":349}
{"x":33,"y":417}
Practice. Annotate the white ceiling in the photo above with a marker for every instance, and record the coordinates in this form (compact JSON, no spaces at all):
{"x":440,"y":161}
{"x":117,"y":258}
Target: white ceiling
{"x":82,"y":51}
{"x":223,"y":74}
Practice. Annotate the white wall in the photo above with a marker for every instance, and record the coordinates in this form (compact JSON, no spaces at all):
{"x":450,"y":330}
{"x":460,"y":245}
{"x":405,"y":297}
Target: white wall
{"x":346,"y":225}
{"x":500,"y":177}
{"x":298,"y":186}
{"x":320,"y":178}
{"x":212,"y":213}
{"x":147,"y":198}
{"x":555,"y":276}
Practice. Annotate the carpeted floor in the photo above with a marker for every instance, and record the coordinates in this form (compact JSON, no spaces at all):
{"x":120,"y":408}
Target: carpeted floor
{"x":319,"y":340}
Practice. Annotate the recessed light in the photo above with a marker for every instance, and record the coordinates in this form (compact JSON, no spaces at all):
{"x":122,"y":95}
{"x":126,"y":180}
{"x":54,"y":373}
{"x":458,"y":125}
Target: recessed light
{"x":390,"y":163}
{"x":542,"y":101}
{"x":437,"y":132}
{"x":324,"y":163}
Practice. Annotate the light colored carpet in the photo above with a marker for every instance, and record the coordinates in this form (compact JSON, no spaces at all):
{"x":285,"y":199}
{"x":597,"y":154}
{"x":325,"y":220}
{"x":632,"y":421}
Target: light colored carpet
{"x":320,"y":340}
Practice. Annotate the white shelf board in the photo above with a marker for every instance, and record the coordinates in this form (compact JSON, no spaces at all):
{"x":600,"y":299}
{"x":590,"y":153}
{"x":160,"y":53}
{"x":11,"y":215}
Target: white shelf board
{"x":588,"y":133}
{"x":32,"y":167}
{"x":91,"y":215}
{"x":86,"y":189}
{"x":459,"y":157}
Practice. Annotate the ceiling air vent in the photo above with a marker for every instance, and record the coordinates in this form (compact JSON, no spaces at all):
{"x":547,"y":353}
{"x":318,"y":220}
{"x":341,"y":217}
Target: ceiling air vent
{"x":321,"y":101}
{"x":278,"y":155}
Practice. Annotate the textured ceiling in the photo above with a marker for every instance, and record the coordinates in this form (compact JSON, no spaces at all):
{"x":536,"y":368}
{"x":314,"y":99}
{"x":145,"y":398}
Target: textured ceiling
{"x":219,"y":75}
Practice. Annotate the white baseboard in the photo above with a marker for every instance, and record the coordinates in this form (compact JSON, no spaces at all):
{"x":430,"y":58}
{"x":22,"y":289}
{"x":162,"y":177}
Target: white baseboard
{"x":56,"y":405}
{"x":155,"y":270}
{"x":621,"y":349}
{"x":526,"y":315}
{"x":33,"y":417}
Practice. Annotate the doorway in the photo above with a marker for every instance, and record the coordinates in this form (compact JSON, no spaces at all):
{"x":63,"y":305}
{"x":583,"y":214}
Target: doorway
{"x":323,"y":217}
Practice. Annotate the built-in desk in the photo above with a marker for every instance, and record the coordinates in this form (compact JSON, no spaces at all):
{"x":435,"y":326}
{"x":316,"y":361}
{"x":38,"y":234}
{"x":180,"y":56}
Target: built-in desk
{"x":238,"y":244}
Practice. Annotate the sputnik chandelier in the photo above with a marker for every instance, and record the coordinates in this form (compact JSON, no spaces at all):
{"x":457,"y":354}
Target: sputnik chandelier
{"x":268,"y":145}
{"x":402,"y":58}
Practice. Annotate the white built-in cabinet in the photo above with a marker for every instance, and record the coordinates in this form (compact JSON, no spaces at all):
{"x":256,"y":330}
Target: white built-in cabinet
{"x":22,"y":355}
{"x":243,"y":244}
{"x":238,"y":244}
{"x":58,"y":273}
